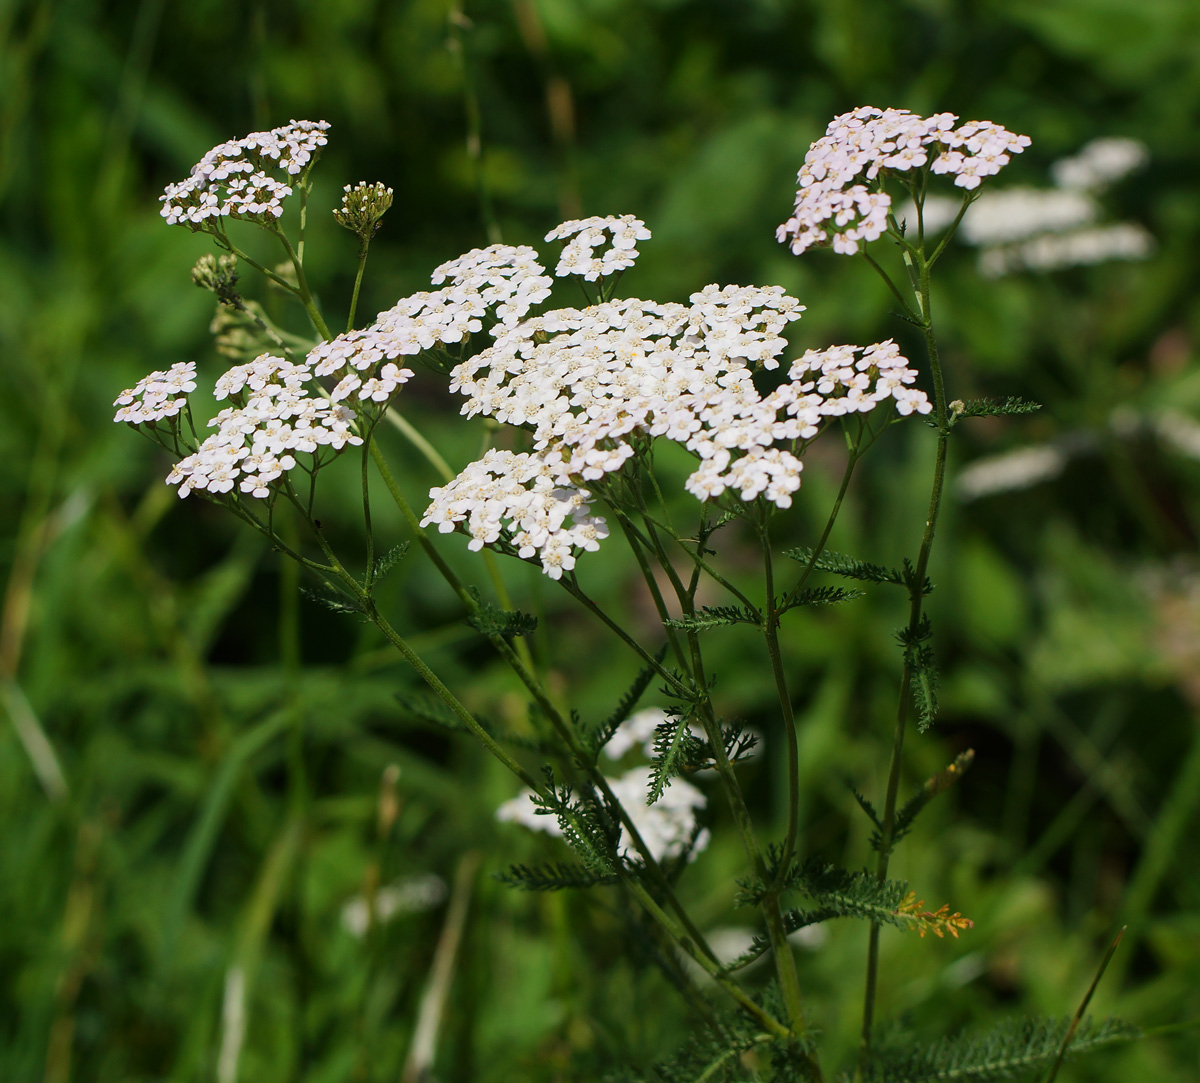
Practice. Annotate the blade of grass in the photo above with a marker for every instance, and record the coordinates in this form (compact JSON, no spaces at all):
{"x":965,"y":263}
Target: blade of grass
{"x":204,"y":831}
{"x":1087,"y":999}
{"x":441,"y":974}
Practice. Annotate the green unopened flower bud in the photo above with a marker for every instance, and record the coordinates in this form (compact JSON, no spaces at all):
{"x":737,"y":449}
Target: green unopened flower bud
{"x":218,"y":274}
{"x":363,"y":208}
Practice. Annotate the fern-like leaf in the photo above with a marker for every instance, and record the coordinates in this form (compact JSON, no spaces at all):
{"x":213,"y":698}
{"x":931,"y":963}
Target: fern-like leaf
{"x":389,"y":560}
{"x":738,"y":745}
{"x":924,"y":685}
{"x":711,"y":1054}
{"x":830,"y":886}
{"x":586,"y":825}
{"x":910,"y":579}
{"x":793,"y":599}
{"x":558,"y":876}
{"x":1013,"y":1048}
{"x":846,"y":566}
{"x":934,"y":785}
{"x":338,"y":603}
{"x":991,"y":408}
{"x":491,"y":620}
{"x":868,"y":808}
{"x":674,"y":749}
{"x":716,"y":616}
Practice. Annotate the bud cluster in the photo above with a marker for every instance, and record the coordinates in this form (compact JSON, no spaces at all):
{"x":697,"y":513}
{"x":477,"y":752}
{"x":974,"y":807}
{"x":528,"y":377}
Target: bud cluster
{"x":363,"y":208}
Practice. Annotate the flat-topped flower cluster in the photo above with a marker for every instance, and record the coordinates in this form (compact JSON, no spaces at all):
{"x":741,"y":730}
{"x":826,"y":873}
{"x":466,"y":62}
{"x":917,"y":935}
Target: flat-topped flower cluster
{"x":157,"y":397}
{"x":246,"y":178}
{"x":584,"y":236}
{"x":835,"y":206}
{"x":273,"y":416}
{"x":594,"y":385}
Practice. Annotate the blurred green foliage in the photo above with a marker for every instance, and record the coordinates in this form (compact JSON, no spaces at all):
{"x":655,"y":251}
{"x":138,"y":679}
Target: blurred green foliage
{"x":156,"y":840}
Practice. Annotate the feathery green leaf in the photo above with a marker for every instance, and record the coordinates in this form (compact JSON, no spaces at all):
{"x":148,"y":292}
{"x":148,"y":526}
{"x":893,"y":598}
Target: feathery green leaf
{"x":675,"y":748}
{"x":717,"y":616}
{"x":846,"y":566}
{"x":491,"y":620}
{"x":587,"y":826}
{"x":1012,"y":1048}
{"x":389,"y":560}
{"x":556,"y":876}
{"x":817,"y":596}
{"x":991,"y":408}
{"x":934,"y":785}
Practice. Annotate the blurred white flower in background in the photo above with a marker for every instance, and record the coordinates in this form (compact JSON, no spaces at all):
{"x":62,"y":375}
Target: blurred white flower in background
{"x":408,"y":895}
{"x":1047,"y":229}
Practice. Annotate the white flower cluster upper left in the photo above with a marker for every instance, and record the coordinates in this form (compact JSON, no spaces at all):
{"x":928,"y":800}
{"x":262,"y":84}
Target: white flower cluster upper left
{"x":245,"y":178}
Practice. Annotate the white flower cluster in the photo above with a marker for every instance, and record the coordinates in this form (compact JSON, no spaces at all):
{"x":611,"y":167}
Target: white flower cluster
{"x":505,"y":277}
{"x":159,"y":396}
{"x":547,"y":516}
{"x":273,"y":417}
{"x":370,"y":355}
{"x":246,"y":178}
{"x":583,"y":236}
{"x":666,"y":827}
{"x":591,"y":383}
{"x":869,"y":141}
{"x":855,"y":379}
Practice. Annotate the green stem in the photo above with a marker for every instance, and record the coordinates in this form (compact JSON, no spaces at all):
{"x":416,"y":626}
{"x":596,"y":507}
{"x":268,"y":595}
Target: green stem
{"x":223,"y":240}
{"x":691,"y":938}
{"x":908,"y":312}
{"x":660,"y":605}
{"x":446,"y":696}
{"x":369,"y":575}
{"x":447,"y":573}
{"x":916,"y":595}
{"x":699,"y":561}
{"x":771,"y":634}
{"x":581,"y":757}
{"x":303,"y":292}
{"x":572,"y":588}
{"x":819,"y":548}
{"x":785,"y":961}
{"x":364,"y":244}
{"x":777,"y":1029}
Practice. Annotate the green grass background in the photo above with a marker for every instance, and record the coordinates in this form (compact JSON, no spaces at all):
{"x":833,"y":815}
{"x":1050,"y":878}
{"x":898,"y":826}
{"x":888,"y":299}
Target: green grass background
{"x":186,"y":789}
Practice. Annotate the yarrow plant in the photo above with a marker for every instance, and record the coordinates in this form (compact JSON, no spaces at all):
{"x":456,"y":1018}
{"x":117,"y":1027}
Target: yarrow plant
{"x":583,"y":405}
